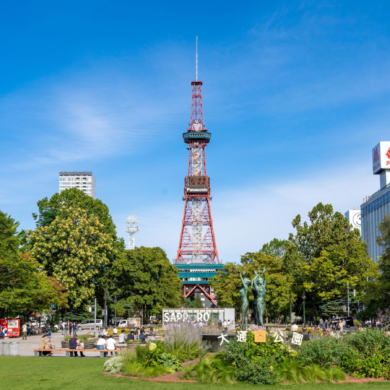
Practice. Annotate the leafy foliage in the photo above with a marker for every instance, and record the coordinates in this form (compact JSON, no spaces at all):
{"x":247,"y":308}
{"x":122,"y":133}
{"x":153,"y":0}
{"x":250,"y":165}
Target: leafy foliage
{"x":227,"y":284}
{"x":75,"y":250}
{"x":23,"y":288}
{"x":325,"y":351}
{"x":369,"y":354}
{"x":147,"y":280}
{"x":326,"y":254}
{"x":296,"y":371}
{"x":211,"y":369}
{"x":185,"y":341}
{"x":114,"y":364}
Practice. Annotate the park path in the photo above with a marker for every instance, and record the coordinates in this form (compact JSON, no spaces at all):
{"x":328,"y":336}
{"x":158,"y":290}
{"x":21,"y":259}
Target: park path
{"x":26,"y":347}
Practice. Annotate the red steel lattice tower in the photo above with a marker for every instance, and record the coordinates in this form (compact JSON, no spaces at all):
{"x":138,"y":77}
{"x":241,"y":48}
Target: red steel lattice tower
{"x":197,"y":240}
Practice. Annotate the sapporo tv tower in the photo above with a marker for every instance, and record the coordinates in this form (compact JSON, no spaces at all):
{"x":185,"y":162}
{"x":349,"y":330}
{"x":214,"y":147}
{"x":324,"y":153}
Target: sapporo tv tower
{"x":197,"y":257}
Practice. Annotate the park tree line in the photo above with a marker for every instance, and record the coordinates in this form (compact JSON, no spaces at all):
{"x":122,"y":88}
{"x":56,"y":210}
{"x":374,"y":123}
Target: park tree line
{"x":316,"y":264}
{"x":74,"y":256}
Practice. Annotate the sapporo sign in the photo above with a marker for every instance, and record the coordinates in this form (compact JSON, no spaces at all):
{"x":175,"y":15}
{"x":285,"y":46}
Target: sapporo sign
{"x":185,"y":316}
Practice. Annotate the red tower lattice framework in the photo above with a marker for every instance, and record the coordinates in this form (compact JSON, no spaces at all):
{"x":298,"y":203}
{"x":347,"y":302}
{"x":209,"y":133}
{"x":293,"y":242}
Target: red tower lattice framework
{"x":197,"y":240}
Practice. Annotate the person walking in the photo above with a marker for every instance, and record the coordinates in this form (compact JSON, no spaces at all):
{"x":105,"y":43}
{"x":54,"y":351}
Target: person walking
{"x":65,"y":329}
{"x":219,"y":324}
{"x":74,"y":328}
{"x":24,"y":330}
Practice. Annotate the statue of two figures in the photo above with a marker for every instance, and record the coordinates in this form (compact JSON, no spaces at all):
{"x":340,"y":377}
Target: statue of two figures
{"x":258,"y":286}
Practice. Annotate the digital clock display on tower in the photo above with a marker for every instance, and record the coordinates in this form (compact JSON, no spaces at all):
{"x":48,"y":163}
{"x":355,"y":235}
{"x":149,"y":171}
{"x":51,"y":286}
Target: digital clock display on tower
{"x":197,"y":185}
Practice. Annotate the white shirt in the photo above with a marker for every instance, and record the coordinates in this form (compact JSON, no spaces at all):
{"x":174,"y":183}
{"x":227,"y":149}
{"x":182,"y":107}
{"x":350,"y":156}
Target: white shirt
{"x":24,"y":328}
{"x":115,"y":330}
{"x":122,"y":337}
{"x":110,"y":344}
{"x":104,"y":333}
{"x":101,"y":341}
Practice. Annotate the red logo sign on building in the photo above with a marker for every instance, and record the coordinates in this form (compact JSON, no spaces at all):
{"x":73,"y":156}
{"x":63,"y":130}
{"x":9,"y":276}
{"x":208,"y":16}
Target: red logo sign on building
{"x":388,"y":153}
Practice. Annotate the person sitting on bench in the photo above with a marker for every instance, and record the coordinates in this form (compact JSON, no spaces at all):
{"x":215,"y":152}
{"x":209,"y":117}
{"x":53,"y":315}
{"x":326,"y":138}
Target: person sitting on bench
{"x":45,"y":344}
{"x":73,"y":344}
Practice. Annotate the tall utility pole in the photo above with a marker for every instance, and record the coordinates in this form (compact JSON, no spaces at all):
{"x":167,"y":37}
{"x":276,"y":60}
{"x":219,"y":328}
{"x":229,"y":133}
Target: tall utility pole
{"x":290,"y":309}
{"x":348,"y":296}
{"x":304,"y":314}
{"x":105,"y":309}
{"x":115,"y":309}
{"x":95,"y":318}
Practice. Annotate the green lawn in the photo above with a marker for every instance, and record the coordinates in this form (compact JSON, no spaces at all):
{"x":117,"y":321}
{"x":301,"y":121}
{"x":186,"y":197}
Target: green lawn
{"x":34,"y":373}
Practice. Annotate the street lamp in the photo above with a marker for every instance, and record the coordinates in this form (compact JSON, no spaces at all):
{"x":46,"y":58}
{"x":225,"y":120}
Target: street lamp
{"x":105,"y":309}
{"x":304,"y":315}
{"x":115,"y":309}
{"x":290,"y":309}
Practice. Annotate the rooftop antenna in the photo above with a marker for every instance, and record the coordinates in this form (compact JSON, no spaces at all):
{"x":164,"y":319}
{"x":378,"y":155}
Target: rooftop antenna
{"x":196,"y":74}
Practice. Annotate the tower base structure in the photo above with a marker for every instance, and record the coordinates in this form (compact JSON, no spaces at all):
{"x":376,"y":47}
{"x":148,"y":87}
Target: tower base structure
{"x":195,"y":279}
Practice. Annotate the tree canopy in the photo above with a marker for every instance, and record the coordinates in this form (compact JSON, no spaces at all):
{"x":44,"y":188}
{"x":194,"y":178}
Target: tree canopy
{"x":75,"y":198}
{"x":227,"y":283}
{"x":75,"y":249}
{"x":23,"y":287}
{"x":327,"y":254}
{"x":147,"y":280}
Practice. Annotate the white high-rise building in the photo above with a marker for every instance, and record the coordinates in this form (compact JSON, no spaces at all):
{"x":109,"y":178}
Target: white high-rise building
{"x":84,"y":181}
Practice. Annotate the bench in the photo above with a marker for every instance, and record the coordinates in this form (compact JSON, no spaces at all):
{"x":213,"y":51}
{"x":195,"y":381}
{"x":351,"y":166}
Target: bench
{"x":38,"y":351}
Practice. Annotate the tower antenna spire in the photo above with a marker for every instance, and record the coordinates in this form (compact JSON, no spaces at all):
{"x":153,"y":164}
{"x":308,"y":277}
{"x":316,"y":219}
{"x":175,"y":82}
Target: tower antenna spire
{"x":196,"y":60}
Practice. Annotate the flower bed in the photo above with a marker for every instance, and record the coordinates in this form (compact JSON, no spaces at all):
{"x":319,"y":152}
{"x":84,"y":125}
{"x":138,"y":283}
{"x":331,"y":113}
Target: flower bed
{"x":363,"y":354}
{"x":181,"y":343}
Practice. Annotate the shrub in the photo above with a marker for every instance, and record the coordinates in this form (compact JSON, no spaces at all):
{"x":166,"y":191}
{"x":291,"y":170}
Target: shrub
{"x":296,"y":371}
{"x":185,"y":341}
{"x":254,"y":361}
{"x":324,"y":350}
{"x":369,"y":354}
{"x":238,"y":351}
{"x":114,"y":365}
{"x":83,"y":338}
{"x":211,"y":369}
{"x":171,"y":362}
{"x":260,"y":372}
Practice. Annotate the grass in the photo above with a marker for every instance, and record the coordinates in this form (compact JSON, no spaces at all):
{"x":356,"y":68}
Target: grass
{"x":34,"y":373}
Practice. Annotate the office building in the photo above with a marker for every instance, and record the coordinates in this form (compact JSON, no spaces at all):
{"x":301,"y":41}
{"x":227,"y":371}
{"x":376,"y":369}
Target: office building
{"x":376,"y":206}
{"x":354,"y":218}
{"x":84,"y":181}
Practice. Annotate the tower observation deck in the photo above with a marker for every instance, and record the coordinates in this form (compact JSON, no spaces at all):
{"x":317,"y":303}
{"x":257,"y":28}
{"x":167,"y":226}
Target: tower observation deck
{"x":197,"y":256}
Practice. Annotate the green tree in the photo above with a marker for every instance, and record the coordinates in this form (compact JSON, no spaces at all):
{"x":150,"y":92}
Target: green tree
{"x":75,"y":198}
{"x":76,"y":250}
{"x":227,"y":284}
{"x":23,"y":288}
{"x":275,"y":248}
{"x":145,"y":278}
{"x":326,"y":254}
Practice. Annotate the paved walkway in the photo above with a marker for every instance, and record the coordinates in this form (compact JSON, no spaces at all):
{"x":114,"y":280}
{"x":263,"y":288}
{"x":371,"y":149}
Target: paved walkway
{"x":26,"y":347}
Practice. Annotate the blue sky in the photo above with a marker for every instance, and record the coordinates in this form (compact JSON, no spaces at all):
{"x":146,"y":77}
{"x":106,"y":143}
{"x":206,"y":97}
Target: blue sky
{"x":296,"y":94}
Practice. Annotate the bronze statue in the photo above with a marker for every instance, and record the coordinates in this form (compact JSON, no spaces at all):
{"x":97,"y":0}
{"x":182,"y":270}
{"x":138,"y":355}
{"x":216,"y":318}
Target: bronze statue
{"x":244,"y":301}
{"x":258,"y":286}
